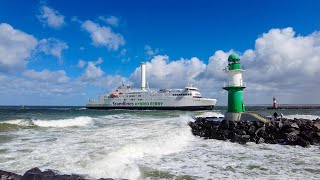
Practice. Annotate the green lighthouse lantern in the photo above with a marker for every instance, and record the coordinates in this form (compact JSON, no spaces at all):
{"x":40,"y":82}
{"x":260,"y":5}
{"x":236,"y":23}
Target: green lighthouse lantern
{"x":235,"y":85}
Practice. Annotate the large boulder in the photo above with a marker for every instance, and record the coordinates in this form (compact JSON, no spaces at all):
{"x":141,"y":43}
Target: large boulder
{"x":34,"y":174}
{"x":302,"y":142}
{"x":224,"y":125}
{"x":261,"y":132}
{"x":241,"y":139}
{"x":316,"y":126}
{"x":292,"y":137}
{"x":37,"y":174}
{"x":294,"y":125}
{"x":4,"y":175}
{"x":251,"y":131}
{"x":260,"y":140}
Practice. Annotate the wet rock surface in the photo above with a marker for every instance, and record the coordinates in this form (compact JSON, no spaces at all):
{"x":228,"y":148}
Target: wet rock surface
{"x":37,"y":174}
{"x":9,"y":175}
{"x":302,"y":132}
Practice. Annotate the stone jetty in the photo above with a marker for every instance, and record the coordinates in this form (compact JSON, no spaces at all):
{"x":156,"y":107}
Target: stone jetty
{"x":296,"y":107}
{"x":302,"y":132}
{"x":37,"y":174}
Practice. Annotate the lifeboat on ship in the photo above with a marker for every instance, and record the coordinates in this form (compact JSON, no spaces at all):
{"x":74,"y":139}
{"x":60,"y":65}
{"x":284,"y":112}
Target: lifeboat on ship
{"x":113,"y":95}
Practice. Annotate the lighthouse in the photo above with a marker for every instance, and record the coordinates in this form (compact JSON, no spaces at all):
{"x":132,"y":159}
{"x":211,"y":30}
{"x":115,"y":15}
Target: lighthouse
{"x":234,"y":87}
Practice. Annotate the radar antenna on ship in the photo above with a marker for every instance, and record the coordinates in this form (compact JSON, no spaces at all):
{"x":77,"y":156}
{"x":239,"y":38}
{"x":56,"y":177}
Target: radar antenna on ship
{"x":190,"y":85}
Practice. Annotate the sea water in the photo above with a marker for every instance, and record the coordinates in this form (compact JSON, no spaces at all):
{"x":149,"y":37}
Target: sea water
{"x":143,"y":145}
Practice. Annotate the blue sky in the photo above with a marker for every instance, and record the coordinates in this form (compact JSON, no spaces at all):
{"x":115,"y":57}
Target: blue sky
{"x":66,"y":52}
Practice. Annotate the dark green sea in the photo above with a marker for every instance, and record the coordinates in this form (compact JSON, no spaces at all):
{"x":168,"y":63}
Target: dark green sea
{"x":143,"y":145}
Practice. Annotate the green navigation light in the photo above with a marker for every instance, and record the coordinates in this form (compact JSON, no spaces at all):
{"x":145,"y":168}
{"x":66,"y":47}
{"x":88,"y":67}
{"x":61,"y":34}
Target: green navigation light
{"x":235,"y":58}
{"x":234,"y":62}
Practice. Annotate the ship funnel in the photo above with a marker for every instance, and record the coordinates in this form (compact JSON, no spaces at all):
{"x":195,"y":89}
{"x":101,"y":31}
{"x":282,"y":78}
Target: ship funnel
{"x":143,"y":76}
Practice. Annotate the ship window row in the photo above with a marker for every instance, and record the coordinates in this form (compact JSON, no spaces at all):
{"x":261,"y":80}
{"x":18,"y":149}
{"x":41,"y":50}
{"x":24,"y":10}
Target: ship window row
{"x":134,"y":95}
{"x":130,"y":96}
{"x":189,"y":94}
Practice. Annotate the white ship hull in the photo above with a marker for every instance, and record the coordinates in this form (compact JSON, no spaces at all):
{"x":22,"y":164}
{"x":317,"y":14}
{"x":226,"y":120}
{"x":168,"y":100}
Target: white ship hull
{"x":123,"y":97}
{"x":154,"y":100}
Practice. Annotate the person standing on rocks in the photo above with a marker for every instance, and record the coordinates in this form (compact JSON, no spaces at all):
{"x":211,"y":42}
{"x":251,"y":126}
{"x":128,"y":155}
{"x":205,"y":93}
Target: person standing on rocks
{"x":275,"y":115}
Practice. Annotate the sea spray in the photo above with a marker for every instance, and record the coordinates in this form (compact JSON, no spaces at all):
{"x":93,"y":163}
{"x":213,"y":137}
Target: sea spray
{"x":76,"y":149}
{"x":301,"y":116}
{"x":77,"y":121}
{"x":123,"y":162}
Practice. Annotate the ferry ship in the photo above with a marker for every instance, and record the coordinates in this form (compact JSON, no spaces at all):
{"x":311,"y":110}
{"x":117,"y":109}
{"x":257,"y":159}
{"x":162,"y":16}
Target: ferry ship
{"x":124,"y":97}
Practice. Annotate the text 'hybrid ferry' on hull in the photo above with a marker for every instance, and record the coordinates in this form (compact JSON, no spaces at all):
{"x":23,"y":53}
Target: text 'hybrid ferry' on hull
{"x":188,"y":98}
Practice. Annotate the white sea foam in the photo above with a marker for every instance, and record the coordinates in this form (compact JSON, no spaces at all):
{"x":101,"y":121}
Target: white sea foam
{"x":78,"y":121}
{"x":211,"y":114}
{"x":301,"y":116}
{"x":128,"y":146}
{"x":20,"y":122}
{"x":122,"y":162}
{"x":214,"y":159}
{"x":82,"y":108}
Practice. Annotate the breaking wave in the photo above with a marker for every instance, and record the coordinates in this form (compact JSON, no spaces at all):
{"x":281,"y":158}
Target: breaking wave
{"x":301,"y":116}
{"x":123,"y":162}
{"x":78,"y":121}
{"x":211,"y":114}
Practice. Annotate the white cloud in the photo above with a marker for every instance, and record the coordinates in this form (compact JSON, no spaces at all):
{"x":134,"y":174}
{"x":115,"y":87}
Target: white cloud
{"x":281,"y":64}
{"x":103,"y":36}
{"x":110,"y":82}
{"x":123,"y":52}
{"x":47,"y":75}
{"x":99,"y":61}
{"x":216,"y":64}
{"x":284,"y":64}
{"x":123,"y":55}
{"x":15,"y":48}
{"x":76,"y":19}
{"x":81,"y":63}
{"x":52,"y":46}
{"x":51,"y":17}
{"x":112,"y":20}
{"x":92,"y":72}
{"x":162,"y":73}
{"x":150,"y":52}
{"x":280,"y":53}
{"x":32,"y":91}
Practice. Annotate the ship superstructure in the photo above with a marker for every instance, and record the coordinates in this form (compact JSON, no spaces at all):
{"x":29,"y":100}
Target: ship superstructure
{"x":124,"y":97}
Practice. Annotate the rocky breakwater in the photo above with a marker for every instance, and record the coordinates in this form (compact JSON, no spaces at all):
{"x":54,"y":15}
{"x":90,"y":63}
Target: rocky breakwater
{"x":302,"y":132}
{"x":37,"y":174}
